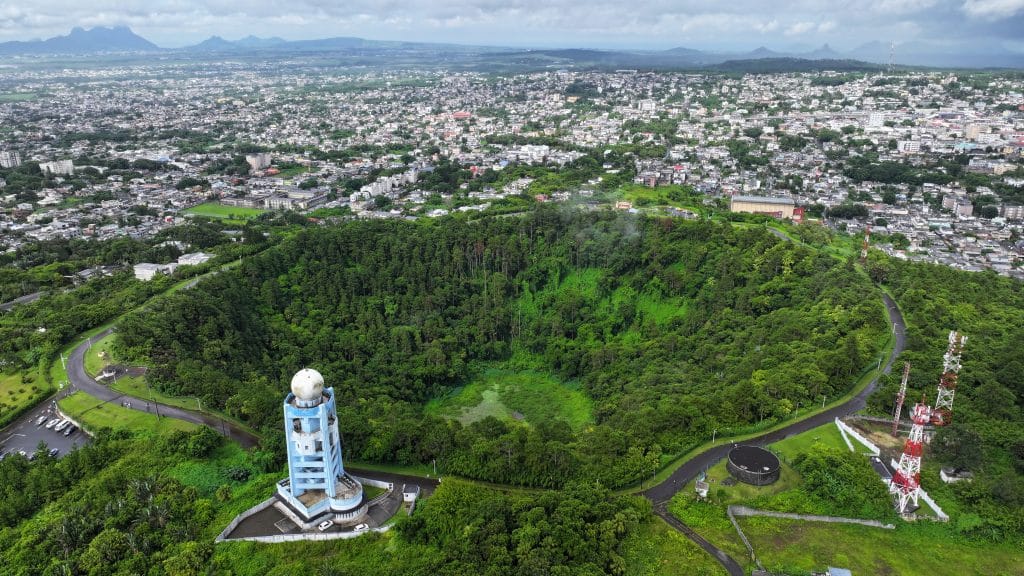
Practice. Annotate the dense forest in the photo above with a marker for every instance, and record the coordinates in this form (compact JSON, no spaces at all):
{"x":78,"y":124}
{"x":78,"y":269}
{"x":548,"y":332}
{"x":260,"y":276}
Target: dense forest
{"x":146,"y":505}
{"x":986,"y":436}
{"x":672,"y":328}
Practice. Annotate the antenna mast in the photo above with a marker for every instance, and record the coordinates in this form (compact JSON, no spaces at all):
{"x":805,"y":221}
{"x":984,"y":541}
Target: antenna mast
{"x":892,"y":56}
{"x":943,"y":413}
{"x":864,"y":246}
{"x":906,"y":482}
{"x":899,"y":399}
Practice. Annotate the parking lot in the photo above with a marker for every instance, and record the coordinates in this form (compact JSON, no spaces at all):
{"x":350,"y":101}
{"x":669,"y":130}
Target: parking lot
{"x":23,"y":434}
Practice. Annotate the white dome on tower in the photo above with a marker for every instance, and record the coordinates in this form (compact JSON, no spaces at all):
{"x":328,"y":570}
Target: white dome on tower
{"x":307,"y":384}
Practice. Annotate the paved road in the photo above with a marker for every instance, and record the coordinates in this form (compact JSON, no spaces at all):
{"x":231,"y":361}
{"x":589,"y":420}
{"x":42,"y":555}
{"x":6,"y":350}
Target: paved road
{"x":80,"y":380}
{"x":23,"y":434}
{"x":663,"y":492}
{"x":6,"y":306}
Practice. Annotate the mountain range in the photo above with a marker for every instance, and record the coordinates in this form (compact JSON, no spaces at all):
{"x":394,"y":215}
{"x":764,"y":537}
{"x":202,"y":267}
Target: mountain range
{"x":122,"y":39}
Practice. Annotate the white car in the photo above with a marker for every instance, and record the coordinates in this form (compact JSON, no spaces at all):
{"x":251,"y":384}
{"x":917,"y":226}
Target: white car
{"x":51,"y":423}
{"x":40,"y":420}
{"x":325,"y":525}
{"x":361,"y":527}
{"x":61,"y":425}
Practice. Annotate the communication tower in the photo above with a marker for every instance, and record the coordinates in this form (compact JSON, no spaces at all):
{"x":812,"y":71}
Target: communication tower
{"x":943,"y":412}
{"x":899,"y":398}
{"x":906,"y":482}
{"x":892,"y":56}
{"x":864,"y":246}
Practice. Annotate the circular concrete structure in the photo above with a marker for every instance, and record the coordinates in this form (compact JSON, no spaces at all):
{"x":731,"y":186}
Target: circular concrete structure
{"x":753,"y":465}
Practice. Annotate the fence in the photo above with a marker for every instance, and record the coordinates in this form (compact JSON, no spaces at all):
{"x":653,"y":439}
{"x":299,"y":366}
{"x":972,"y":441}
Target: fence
{"x":845,"y":429}
{"x":238,"y":519}
{"x":744,"y":511}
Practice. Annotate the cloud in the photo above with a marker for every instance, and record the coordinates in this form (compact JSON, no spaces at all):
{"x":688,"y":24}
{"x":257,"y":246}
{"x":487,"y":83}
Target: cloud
{"x":799,"y":28}
{"x":527,"y":22}
{"x":993,"y":9}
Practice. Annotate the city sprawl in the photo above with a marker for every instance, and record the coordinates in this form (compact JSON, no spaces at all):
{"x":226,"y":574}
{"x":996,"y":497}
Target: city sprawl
{"x":931,"y":161}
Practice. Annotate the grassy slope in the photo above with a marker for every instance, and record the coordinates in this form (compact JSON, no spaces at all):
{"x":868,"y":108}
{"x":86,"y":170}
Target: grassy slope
{"x":19,"y":390}
{"x":95,"y":414}
{"x":793,"y":547}
{"x":655,"y":549}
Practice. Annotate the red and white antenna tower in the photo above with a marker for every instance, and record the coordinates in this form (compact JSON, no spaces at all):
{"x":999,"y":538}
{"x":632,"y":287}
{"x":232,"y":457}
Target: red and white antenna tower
{"x":899,"y":398}
{"x":943,"y":412}
{"x":906,"y":482}
{"x":864,"y":246}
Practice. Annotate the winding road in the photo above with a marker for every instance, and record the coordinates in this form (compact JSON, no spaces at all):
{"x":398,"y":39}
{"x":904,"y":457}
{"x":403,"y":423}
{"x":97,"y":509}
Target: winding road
{"x":81,"y":380}
{"x":661,"y":493}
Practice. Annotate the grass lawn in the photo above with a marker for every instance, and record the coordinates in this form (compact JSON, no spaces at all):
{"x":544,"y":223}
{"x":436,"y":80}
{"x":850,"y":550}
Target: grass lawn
{"x":216,"y":210}
{"x":20,"y":389}
{"x":795,"y":547}
{"x":98,"y":356}
{"x":95,"y":414}
{"x":507,"y":395}
{"x":827,"y":434}
{"x":655,"y":549}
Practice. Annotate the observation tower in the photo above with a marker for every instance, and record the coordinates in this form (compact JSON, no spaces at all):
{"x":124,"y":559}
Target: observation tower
{"x":317,"y":482}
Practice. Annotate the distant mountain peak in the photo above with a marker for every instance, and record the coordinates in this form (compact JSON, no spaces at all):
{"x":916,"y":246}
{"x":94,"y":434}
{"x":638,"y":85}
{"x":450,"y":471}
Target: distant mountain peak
{"x":84,"y":41}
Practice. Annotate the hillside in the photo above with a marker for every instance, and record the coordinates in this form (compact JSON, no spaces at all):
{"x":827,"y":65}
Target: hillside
{"x":669,"y":329}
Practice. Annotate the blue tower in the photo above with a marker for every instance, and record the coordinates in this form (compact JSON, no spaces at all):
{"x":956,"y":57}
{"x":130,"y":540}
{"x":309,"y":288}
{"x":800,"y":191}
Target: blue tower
{"x":317,"y":482}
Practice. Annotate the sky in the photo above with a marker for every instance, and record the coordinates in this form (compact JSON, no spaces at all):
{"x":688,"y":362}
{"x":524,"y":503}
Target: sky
{"x":653,"y":24}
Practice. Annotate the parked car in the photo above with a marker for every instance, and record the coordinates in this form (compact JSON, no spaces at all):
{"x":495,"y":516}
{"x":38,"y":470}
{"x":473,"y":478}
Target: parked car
{"x":61,"y":426}
{"x":54,"y":452}
{"x":70,"y":430}
{"x":325,"y":525}
{"x":52,"y":423}
{"x":362,"y":527}
{"x":40,"y":420}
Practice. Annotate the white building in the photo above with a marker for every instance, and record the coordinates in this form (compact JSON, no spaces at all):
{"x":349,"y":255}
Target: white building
{"x":58,"y":167}
{"x":146,"y":271}
{"x":9,"y":159}
{"x":193,"y":259}
{"x":258,"y":161}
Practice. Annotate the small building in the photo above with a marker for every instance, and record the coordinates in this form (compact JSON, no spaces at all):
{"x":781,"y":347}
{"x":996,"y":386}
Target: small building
{"x":194,"y":259}
{"x":410,"y":492}
{"x":767,"y":205}
{"x":838,"y":572}
{"x":146,"y":271}
{"x":954,"y":475}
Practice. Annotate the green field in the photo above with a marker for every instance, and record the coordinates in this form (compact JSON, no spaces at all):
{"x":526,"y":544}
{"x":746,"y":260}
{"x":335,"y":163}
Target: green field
{"x":95,"y":414}
{"x":18,"y":96}
{"x":674,"y":195}
{"x":515,"y":396}
{"x":827,"y":435}
{"x":656,"y":549}
{"x":216,"y":210}
{"x":795,"y":547}
{"x":293,"y":171}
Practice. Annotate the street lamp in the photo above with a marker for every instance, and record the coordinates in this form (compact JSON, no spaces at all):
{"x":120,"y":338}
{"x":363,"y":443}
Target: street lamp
{"x":713,"y":434}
